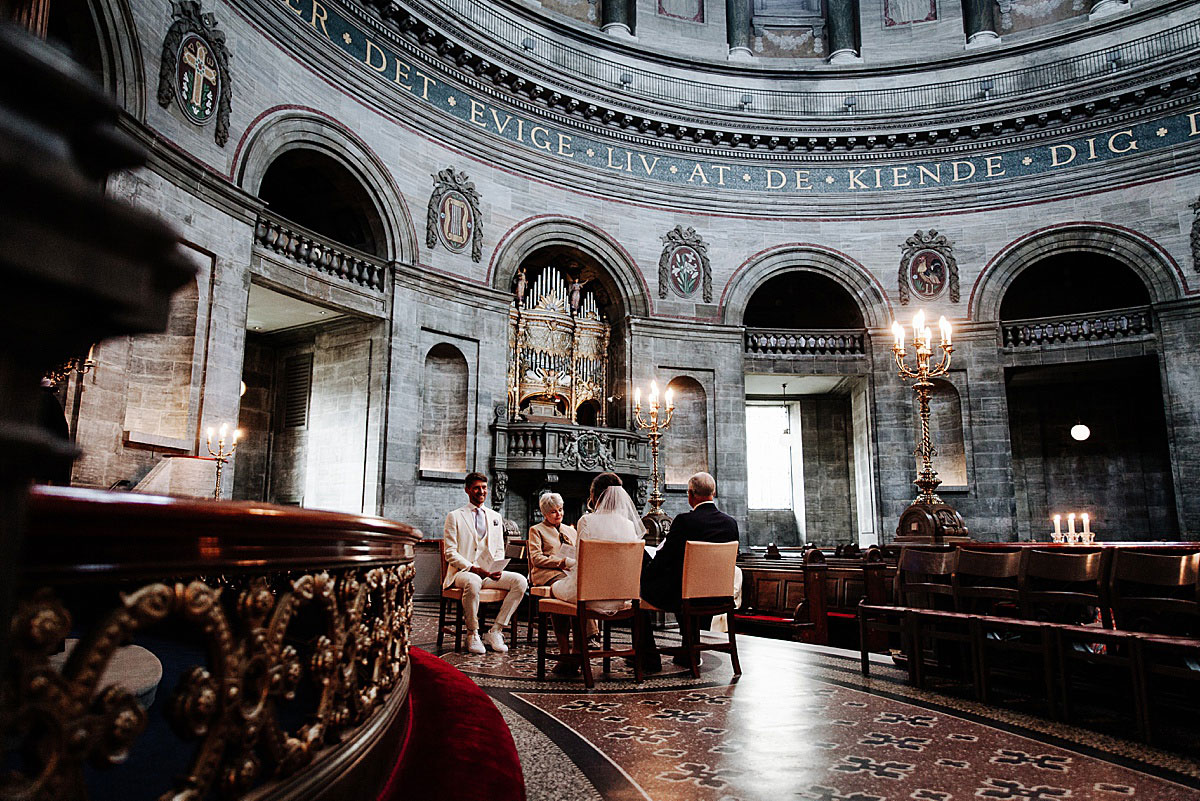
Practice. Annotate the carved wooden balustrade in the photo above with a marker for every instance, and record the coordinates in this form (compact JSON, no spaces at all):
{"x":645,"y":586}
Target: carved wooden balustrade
{"x":312,"y":250}
{"x":282,"y":636}
{"x":1079,"y":328}
{"x":784,"y":342}
{"x":557,"y":447}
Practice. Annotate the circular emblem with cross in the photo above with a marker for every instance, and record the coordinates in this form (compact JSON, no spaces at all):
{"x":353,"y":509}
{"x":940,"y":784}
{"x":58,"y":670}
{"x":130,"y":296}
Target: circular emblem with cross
{"x":927,"y":274}
{"x":198,"y":79}
{"x":684,"y":269}
{"x":456,"y":221}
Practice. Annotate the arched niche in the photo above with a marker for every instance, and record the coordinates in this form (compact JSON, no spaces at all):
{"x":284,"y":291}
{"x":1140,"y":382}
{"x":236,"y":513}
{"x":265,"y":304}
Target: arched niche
{"x":158,"y":406}
{"x":444,"y":391}
{"x":948,"y":434}
{"x":365,"y":186}
{"x":686,"y":443}
{"x":825,"y":262}
{"x":1072,"y":282}
{"x":802,"y":299}
{"x":1157,"y":273}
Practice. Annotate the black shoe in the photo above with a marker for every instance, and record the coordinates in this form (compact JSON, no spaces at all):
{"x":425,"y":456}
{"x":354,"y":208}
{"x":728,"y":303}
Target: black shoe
{"x":682,"y":661}
{"x":565,"y":669}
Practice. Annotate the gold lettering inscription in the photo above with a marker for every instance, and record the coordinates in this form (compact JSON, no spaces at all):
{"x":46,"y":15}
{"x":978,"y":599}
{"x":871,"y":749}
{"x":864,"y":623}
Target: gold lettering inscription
{"x":292,"y":5}
{"x":1195,"y":130}
{"x":968,"y":176}
{"x":1092,"y":148}
{"x":776,"y":179}
{"x":477,"y":113}
{"x":721,"y":170}
{"x":855,"y":175}
{"x":648,"y":166}
{"x":618,"y":165}
{"x":319,"y":14}
{"x":500,"y":126}
{"x":371,"y":48}
{"x":544,"y":144}
{"x":900,"y":176}
{"x":425,"y":82}
{"x":1054,"y":159}
{"x":564,"y":147}
{"x":1131,"y":146}
{"x":802,"y":180}
{"x":698,"y":171}
{"x":935,"y":175}
{"x":994,"y":169}
{"x":400,"y":65}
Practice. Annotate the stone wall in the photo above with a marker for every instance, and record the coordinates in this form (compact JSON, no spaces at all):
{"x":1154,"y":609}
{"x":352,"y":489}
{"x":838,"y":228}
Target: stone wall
{"x":444,"y":410}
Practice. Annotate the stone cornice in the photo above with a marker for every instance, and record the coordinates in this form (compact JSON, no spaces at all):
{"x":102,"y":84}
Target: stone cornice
{"x":679,"y":329}
{"x":422,"y":279}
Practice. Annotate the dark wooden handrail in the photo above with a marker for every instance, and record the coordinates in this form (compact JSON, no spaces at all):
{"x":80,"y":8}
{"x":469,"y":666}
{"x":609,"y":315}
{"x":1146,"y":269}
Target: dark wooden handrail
{"x":81,"y":533}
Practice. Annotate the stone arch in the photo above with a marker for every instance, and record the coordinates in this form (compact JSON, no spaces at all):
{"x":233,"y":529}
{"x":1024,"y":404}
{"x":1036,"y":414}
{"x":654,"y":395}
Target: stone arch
{"x":274,"y":134}
{"x":754,"y":272}
{"x":120,"y":69}
{"x":1140,"y":254}
{"x":536,"y":233}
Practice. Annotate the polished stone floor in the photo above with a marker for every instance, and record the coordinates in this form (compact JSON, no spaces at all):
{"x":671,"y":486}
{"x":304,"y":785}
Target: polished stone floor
{"x":802,"y":723}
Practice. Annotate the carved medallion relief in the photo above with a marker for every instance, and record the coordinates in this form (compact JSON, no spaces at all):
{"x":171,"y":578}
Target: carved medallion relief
{"x":194,"y":70}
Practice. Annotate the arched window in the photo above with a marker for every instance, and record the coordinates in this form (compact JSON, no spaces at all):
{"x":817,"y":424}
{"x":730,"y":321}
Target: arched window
{"x":1072,"y":283}
{"x":686,"y":443}
{"x":802,"y":299}
{"x":444,"y":410}
{"x":319,"y":193}
{"x":946,"y":429}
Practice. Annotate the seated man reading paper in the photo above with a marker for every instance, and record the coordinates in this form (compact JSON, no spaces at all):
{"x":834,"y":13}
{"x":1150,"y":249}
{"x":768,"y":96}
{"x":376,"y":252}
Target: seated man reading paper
{"x":474,"y":539}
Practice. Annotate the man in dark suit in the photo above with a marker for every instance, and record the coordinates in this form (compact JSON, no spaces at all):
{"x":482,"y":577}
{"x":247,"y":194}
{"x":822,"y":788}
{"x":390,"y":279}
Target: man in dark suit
{"x":662,"y":577}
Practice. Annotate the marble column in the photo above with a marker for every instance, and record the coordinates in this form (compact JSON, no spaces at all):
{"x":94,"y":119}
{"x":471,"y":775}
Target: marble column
{"x":841,"y":17}
{"x":738,"y":19}
{"x":979,"y":23}
{"x":619,"y":18}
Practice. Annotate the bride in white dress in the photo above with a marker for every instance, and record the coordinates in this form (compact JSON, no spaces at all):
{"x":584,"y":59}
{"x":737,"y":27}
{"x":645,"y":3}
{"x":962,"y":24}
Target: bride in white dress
{"x":615,"y":519}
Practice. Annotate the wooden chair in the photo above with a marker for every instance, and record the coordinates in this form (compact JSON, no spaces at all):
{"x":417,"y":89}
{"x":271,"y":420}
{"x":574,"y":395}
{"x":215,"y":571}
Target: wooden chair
{"x":1159,"y":595}
{"x":708,"y":569}
{"x":923,"y":581}
{"x":985,"y":584}
{"x":453,"y":595}
{"x":607,"y":571}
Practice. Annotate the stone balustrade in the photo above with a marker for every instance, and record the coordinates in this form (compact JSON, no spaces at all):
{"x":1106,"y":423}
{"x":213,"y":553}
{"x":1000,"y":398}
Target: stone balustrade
{"x":784,"y":342}
{"x":311,"y":250}
{"x":1078,"y":328}
{"x":561,"y":447}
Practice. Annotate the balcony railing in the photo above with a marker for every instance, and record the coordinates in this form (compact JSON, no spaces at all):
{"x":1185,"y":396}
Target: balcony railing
{"x":200,"y":649}
{"x":813,"y":342}
{"x":1078,"y":328}
{"x":311,"y":250}
{"x":561,"y":447}
{"x":572,"y":62}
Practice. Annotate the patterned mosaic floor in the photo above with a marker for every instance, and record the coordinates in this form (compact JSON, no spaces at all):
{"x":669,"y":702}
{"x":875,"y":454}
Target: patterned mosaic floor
{"x":800,"y":723}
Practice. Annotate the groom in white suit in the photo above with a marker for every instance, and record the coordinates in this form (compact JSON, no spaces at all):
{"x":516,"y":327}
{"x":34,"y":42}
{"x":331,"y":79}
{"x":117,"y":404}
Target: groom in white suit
{"x":474,"y":535}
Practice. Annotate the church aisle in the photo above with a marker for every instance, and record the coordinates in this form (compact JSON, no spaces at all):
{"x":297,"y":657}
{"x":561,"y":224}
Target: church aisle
{"x":800,"y":723}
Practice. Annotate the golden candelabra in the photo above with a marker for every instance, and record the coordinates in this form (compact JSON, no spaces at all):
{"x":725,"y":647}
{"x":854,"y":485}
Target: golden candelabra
{"x":659,"y":421}
{"x":927,"y":480}
{"x":74,"y":365}
{"x":220,"y":454}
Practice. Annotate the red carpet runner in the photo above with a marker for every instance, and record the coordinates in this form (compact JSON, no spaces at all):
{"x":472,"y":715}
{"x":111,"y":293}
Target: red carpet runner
{"x":458,"y":747}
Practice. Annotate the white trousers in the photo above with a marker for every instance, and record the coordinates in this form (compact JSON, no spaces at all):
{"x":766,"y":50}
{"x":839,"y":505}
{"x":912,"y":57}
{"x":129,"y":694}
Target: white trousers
{"x":471,"y":584}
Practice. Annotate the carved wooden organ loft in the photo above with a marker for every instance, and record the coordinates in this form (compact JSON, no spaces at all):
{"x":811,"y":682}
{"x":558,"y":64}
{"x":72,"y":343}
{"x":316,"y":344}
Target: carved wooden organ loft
{"x":558,"y":351}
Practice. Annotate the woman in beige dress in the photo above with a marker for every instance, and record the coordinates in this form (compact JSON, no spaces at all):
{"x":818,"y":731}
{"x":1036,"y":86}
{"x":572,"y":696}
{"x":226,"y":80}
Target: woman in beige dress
{"x":547,"y":565}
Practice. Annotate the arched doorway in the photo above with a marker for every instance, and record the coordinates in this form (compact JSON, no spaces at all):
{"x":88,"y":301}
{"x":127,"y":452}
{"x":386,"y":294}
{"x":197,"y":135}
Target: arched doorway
{"x":807,"y":435}
{"x":1080,"y":350}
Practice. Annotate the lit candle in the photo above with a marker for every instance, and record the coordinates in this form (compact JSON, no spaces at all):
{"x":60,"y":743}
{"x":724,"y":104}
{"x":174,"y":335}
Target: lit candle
{"x":637,"y":399}
{"x":1071,"y":524}
{"x":91,"y":353}
{"x":944,"y":324}
{"x":210,"y":433}
{"x":1087,"y":526}
{"x":670,"y":403}
{"x":653,"y":395}
{"x":237,"y":433}
{"x":898,"y":333}
{"x":1058,"y":525}
{"x":926,"y":336}
{"x":918,"y":325}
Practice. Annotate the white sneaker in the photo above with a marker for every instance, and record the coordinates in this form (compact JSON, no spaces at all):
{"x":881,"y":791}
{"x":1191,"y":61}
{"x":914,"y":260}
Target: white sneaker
{"x":495,"y":641}
{"x":474,"y":644}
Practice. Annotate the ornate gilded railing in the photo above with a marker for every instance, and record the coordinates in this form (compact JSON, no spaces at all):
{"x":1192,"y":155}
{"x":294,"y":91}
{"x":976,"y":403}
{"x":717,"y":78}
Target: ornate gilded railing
{"x":1078,"y":328}
{"x":305,"y":247}
{"x":281,"y":634}
{"x":783,"y":342}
